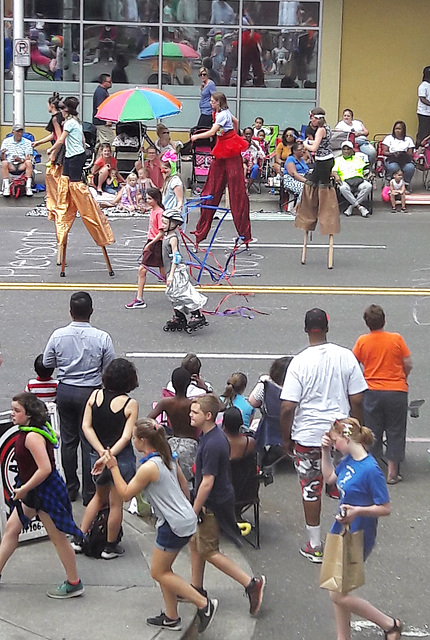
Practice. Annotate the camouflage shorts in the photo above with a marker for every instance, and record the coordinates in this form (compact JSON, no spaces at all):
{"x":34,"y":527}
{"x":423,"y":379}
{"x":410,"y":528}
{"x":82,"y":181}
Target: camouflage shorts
{"x":307,"y":462}
{"x":186,"y":448}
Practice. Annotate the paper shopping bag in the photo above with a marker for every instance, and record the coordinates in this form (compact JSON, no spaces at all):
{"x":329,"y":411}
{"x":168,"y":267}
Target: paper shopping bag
{"x":342,"y":569}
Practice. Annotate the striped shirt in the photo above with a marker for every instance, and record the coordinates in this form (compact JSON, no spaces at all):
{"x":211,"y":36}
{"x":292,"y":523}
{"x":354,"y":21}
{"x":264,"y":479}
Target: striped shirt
{"x":13,"y":149}
{"x":45,"y":390}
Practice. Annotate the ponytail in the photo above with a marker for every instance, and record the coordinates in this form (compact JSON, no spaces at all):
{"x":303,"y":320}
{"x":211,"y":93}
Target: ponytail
{"x":148,"y":429}
{"x":352,"y":429}
{"x":235,"y":384}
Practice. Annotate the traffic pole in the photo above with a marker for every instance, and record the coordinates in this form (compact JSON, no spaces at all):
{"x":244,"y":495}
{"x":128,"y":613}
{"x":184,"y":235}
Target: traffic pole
{"x":18,"y":72}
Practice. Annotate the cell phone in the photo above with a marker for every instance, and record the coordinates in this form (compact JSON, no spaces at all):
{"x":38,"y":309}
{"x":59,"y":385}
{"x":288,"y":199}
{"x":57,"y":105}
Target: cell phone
{"x":342,"y":512}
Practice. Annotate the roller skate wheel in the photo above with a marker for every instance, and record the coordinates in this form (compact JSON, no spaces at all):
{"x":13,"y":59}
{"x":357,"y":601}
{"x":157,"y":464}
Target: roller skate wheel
{"x":189,"y":330}
{"x":165,"y":328}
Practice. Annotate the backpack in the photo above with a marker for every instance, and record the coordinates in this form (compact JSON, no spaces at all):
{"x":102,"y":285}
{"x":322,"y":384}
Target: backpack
{"x":96,"y":538}
{"x":17,"y":186}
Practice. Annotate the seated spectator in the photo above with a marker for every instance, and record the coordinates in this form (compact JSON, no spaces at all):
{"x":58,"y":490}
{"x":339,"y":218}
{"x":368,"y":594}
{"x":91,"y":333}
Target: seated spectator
{"x":252,"y":158}
{"x":128,"y":198}
{"x":398,"y":149}
{"x":119,"y":74}
{"x":233,"y":397}
{"x":268,"y":65}
{"x":283,"y":149}
{"x":143,"y":183}
{"x":348,"y":172}
{"x":102,"y":166}
{"x":240,"y":443}
{"x":177,"y":408}
{"x":258,"y":126}
{"x":113,"y":182}
{"x":16,"y":158}
{"x":152,"y":166}
{"x":266,"y":395}
{"x":261,"y":139}
{"x":295,"y":170}
{"x":44,"y":386}
{"x":356,"y":127}
{"x":397,"y":191}
{"x":107,"y":44}
{"x":164,"y":142}
{"x":197,"y":386}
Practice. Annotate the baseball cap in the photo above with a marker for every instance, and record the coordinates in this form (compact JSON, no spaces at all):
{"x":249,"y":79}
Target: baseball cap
{"x":316,"y":320}
{"x":17,"y":127}
{"x":347,"y":143}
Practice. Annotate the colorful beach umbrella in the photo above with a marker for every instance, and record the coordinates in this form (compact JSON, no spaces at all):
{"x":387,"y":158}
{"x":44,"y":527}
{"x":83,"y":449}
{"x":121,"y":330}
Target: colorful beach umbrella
{"x":140,"y":103}
{"x":170,"y":50}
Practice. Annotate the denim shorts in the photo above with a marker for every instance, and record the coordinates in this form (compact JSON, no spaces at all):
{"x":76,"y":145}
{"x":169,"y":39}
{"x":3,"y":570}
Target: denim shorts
{"x":126,"y":464}
{"x":168,"y":541}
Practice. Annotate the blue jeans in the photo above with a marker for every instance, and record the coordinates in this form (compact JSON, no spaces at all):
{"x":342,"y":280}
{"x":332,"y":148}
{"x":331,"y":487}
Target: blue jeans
{"x":369,"y":150}
{"x":408,"y":170}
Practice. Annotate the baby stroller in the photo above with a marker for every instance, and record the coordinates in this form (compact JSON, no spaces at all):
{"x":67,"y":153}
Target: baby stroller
{"x":380,"y":158}
{"x":201,"y":158}
{"x":90,"y":135}
{"x":422,"y":161}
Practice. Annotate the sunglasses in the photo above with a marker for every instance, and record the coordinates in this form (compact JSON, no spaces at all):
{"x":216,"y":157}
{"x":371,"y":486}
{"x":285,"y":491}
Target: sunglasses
{"x":202,"y":74}
{"x":165,"y":132}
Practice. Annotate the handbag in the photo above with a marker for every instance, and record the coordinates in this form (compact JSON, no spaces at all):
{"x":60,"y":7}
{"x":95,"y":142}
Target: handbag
{"x":342,"y":568}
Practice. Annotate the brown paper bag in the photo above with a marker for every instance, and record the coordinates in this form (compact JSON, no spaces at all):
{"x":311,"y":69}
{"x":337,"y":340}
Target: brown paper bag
{"x":342,"y":569}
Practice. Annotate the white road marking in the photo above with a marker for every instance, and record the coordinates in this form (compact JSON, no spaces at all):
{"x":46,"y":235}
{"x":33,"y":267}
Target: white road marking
{"x":412,"y":632}
{"x":297,"y":245}
{"x":212,"y":356}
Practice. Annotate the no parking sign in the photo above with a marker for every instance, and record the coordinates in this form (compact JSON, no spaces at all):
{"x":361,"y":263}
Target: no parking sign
{"x":21,"y":52}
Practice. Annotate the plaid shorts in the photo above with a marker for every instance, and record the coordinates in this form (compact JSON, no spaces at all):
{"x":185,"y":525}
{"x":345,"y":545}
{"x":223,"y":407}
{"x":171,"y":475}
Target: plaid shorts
{"x":307,"y":462}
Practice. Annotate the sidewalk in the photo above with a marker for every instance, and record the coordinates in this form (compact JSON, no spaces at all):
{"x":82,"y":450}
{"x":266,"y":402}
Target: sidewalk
{"x":119,"y":594}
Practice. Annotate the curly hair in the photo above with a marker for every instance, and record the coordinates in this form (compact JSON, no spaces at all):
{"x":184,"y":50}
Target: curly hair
{"x":120,"y":376}
{"x":34,"y":408}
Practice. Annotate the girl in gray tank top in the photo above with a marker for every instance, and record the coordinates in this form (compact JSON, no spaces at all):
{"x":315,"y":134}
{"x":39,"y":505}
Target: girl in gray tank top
{"x":166,"y":488}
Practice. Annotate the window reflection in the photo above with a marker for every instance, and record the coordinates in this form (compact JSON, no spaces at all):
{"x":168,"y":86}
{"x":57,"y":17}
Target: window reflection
{"x":54,"y":50}
{"x":42,"y":9}
{"x":121,"y":10}
{"x":201,"y":11}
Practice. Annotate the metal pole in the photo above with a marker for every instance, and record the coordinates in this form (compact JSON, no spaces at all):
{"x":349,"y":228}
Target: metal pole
{"x":18,"y":72}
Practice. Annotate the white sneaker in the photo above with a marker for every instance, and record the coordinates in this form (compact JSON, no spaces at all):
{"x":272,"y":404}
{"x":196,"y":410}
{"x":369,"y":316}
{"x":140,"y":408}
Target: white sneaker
{"x":348,"y":211}
{"x":95,"y":60}
{"x":110,"y":59}
{"x":6,"y":191}
{"x":364,"y":212}
{"x":28,"y":191}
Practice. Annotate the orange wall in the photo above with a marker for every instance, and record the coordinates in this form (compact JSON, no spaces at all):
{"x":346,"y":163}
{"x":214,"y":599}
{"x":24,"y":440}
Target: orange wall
{"x":385,"y":46}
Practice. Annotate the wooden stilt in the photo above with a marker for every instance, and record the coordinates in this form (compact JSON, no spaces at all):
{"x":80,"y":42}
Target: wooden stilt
{"x":59,"y":255}
{"x":305,"y":246}
{"x":108,"y":264}
{"x":330,"y":251}
{"x":63,"y":260}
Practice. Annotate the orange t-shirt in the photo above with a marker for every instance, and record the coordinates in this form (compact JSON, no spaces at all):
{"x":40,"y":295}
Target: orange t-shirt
{"x":381,"y":353}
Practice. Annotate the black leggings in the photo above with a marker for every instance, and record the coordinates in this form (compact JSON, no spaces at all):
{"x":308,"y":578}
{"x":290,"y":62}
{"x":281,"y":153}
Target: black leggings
{"x":73,"y":167}
{"x":322,"y":171}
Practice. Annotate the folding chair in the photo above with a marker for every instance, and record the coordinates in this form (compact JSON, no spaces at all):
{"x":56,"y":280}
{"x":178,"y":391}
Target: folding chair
{"x":246,"y":488}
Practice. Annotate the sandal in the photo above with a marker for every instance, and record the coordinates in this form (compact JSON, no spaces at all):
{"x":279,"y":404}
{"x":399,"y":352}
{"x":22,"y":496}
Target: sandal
{"x":393,"y":210}
{"x":396,"y":628}
{"x":404,"y":210}
{"x":398,"y":478}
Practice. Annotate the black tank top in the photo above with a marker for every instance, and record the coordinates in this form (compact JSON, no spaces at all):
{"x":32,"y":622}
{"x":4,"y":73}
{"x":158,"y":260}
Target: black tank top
{"x":107,"y":424}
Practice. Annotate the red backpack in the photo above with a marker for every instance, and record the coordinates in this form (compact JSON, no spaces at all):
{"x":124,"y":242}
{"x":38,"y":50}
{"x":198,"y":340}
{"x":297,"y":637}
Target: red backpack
{"x":17,"y":186}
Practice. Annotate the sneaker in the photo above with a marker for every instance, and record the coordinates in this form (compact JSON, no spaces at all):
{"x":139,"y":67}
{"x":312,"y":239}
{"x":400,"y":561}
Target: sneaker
{"x":112,"y":551}
{"x":364,"y":212}
{"x":255,"y":591}
{"x":348,"y":211}
{"x":202,"y":592}
{"x":136,"y":304}
{"x":67,"y":590}
{"x":6,"y":191}
{"x":314,"y":554}
{"x":110,"y":59}
{"x":163,"y":622}
{"x":28,"y":192}
{"x":207,"y":614}
{"x":77,"y":544}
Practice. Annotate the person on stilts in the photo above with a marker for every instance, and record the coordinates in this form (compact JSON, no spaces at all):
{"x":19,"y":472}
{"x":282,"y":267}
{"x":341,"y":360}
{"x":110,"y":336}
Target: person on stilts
{"x":226,"y":169}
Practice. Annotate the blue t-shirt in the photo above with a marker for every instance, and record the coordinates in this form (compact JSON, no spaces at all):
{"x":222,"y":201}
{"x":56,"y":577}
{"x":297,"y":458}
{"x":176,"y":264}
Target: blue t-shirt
{"x":301,"y":166}
{"x":246,"y":409}
{"x":205,"y":100}
{"x":213,"y":459}
{"x":361,"y":483}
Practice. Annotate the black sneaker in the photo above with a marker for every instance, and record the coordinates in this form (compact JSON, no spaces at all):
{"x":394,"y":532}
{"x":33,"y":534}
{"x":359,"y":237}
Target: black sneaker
{"x":202,"y":592}
{"x":206,"y":615}
{"x":255,"y":591}
{"x":163,"y":622}
{"x":112,"y":551}
{"x":77,"y":544}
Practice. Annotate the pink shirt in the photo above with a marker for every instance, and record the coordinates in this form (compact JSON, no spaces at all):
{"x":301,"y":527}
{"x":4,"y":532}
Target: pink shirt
{"x":155,"y":220}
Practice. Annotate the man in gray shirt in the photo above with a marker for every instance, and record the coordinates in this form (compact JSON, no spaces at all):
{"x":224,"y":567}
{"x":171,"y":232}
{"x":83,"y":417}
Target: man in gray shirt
{"x":81,"y":353}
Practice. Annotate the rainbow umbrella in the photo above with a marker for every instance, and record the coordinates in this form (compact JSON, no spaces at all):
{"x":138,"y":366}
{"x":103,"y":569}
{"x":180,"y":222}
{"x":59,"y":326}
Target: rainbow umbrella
{"x":140,"y":103}
{"x":170,"y":50}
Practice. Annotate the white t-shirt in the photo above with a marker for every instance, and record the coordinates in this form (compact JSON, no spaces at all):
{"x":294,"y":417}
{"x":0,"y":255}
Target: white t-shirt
{"x":423,"y":92}
{"x":394,"y":144}
{"x":355,"y":125}
{"x":320,"y":379}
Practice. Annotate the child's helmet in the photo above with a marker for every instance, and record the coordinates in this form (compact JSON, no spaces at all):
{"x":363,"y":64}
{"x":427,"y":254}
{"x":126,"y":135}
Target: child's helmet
{"x":174,"y":215}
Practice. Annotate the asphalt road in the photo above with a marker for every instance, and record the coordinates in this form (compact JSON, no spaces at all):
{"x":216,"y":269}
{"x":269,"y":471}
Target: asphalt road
{"x":383,"y":259}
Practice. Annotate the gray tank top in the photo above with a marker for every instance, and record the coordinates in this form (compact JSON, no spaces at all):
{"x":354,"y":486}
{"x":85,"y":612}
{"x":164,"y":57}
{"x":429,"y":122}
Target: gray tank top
{"x":324,"y":151}
{"x":166,"y":250}
{"x":168,"y":501}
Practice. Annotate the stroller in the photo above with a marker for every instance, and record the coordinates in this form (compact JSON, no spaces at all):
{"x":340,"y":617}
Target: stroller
{"x":422,"y":161}
{"x":90,"y":135}
{"x":201,"y":158}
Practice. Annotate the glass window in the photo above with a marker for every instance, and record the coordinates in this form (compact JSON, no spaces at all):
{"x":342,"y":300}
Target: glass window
{"x":114,"y":50}
{"x":43,"y":9}
{"x":125,"y":11}
{"x":54,"y":51}
{"x":217,"y":12}
{"x":282,"y":13}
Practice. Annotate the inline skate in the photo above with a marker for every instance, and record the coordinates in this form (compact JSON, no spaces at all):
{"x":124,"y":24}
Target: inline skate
{"x":196,"y":321}
{"x":177,"y":323}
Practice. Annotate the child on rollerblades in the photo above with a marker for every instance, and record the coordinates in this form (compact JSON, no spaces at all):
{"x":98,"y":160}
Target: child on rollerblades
{"x":181,"y":293}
